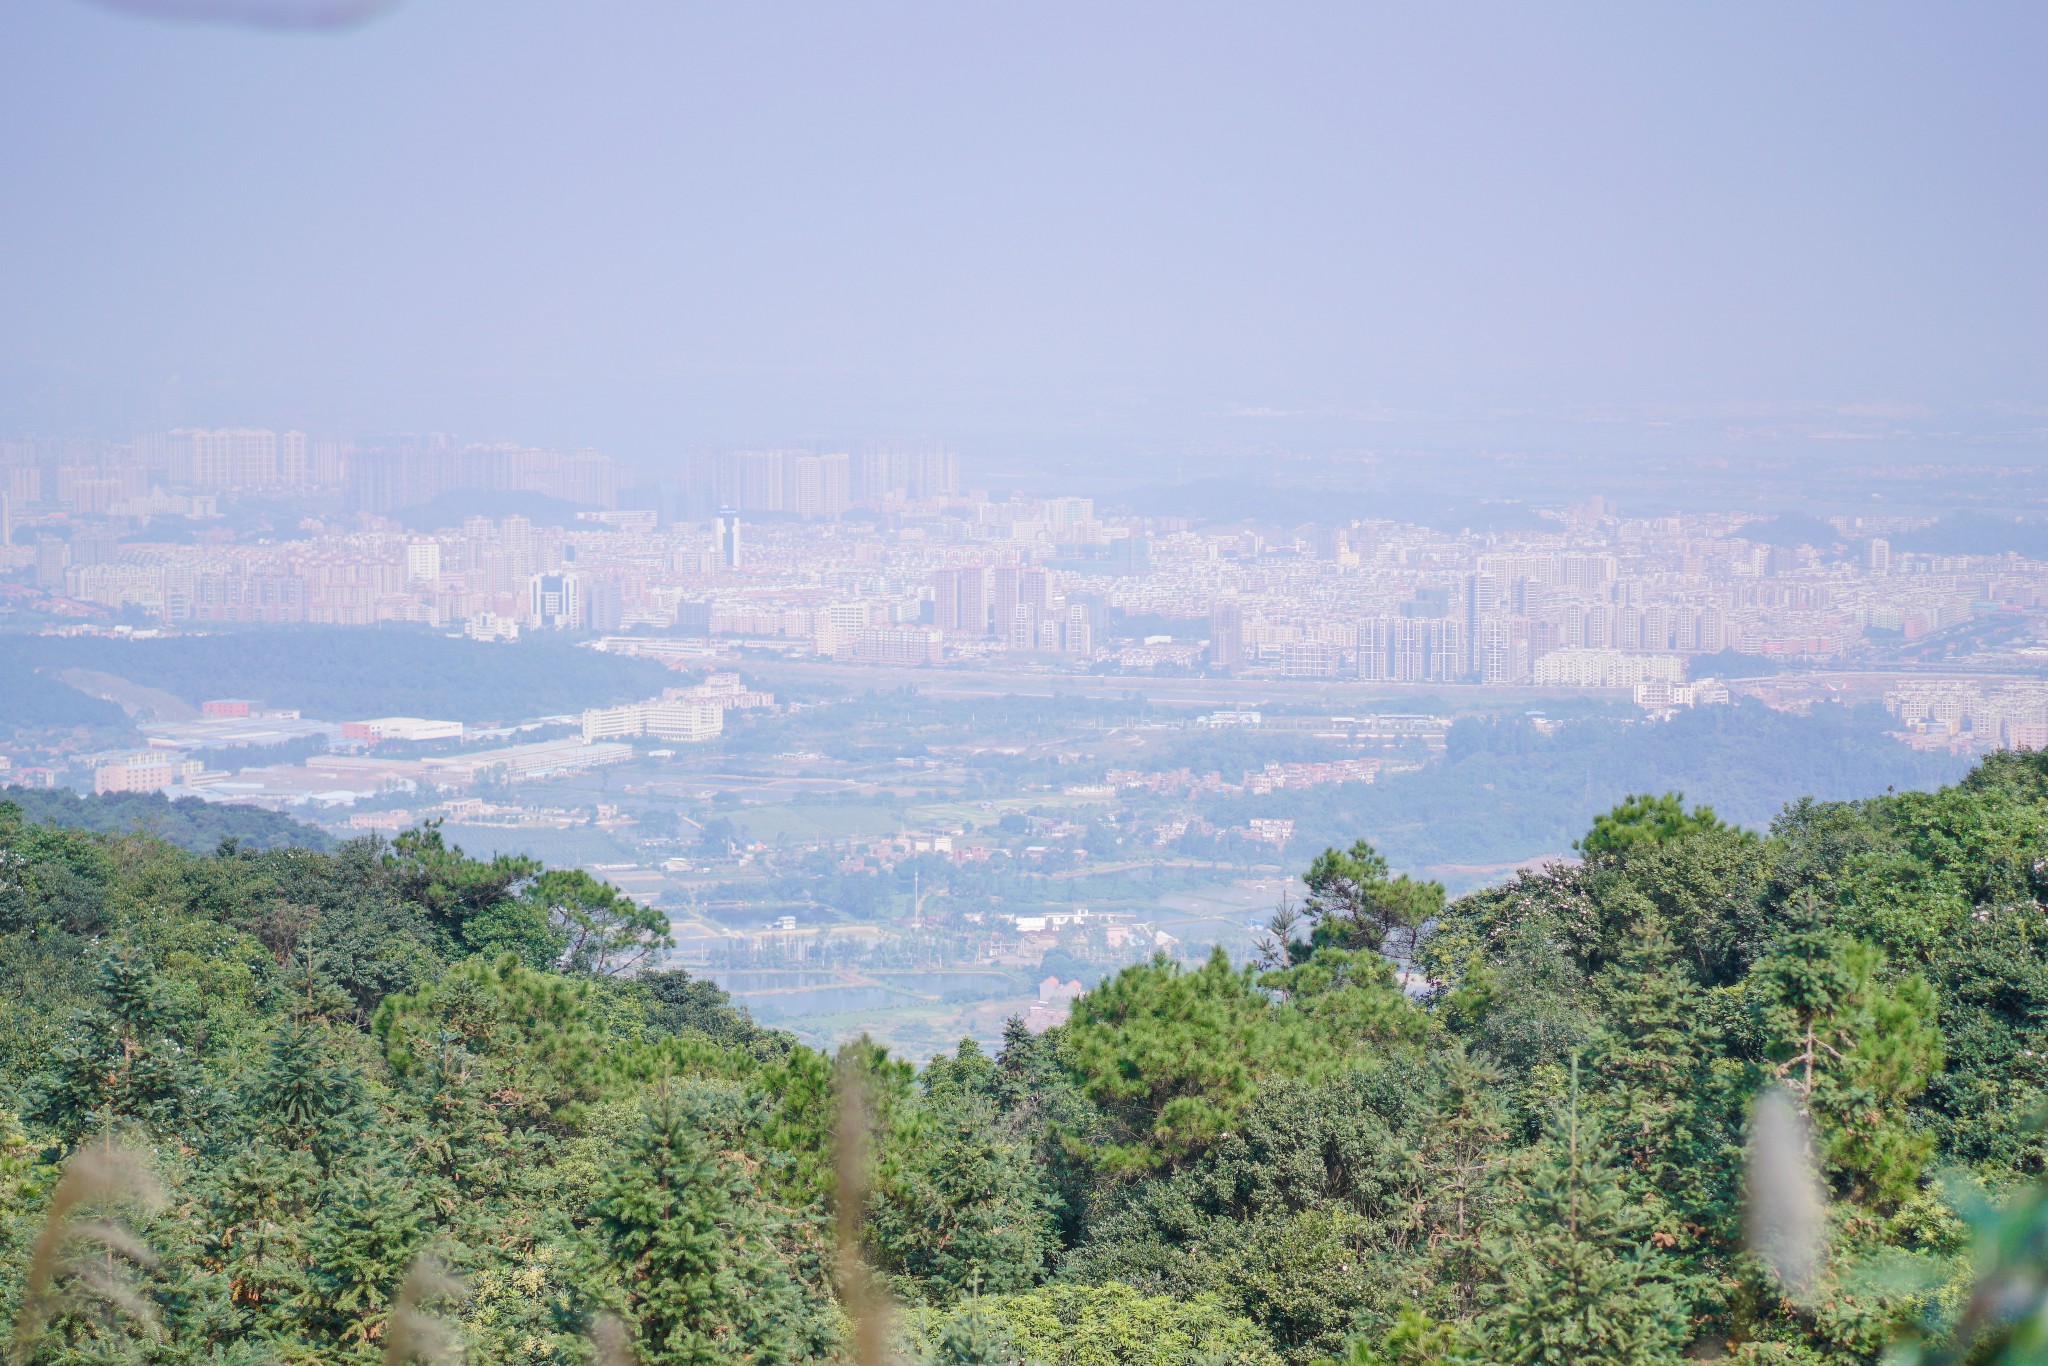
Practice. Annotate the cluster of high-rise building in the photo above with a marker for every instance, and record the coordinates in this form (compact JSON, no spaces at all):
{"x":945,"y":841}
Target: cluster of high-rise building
{"x":182,"y":473}
{"x":1602,"y":601}
{"x":389,"y":477}
{"x":1967,"y":715}
{"x":803,"y":484}
{"x":143,"y":477}
{"x":752,"y":545}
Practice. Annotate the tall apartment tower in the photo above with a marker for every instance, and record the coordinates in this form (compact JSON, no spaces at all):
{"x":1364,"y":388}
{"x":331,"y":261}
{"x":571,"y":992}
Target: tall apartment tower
{"x":254,"y":463}
{"x":423,"y":562}
{"x":762,"y":484}
{"x":1376,"y":649}
{"x":53,"y":557}
{"x":1421,"y":650}
{"x":204,"y":459}
{"x":1003,"y":597}
{"x":243,"y":457}
{"x":803,"y":487}
{"x":835,"y":484}
{"x":960,"y":600}
{"x":1500,"y":650}
{"x":1226,"y":633}
{"x":728,"y":528}
{"x":294,"y":463}
{"x":555,"y":601}
{"x":1064,"y":516}
{"x":1019,"y":601}
{"x":877,"y":476}
{"x":1880,"y":555}
{"x":935,"y":474}
{"x":816,"y":485}
{"x":1022,"y":625}
{"x":1034,"y":590}
{"x":1080,"y":630}
{"x":327,"y":464}
{"x":973,"y":609}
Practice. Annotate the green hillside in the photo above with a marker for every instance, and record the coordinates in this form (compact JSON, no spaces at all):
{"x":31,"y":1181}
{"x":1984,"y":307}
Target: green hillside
{"x":188,"y":822}
{"x":1713,"y":1094}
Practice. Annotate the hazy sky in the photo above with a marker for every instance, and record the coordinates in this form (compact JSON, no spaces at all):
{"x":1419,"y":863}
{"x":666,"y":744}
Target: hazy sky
{"x":648,"y":225}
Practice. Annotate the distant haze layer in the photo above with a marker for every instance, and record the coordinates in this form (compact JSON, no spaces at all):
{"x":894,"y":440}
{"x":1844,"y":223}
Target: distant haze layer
{"x":1046,"y":227}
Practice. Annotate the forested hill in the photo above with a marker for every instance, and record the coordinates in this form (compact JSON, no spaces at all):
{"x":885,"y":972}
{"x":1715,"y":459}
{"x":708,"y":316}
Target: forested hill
{"x":188,"y":822}
{"x":388,"y":1102}
{"x":333,"y":673}
{"x":1505,"y":790}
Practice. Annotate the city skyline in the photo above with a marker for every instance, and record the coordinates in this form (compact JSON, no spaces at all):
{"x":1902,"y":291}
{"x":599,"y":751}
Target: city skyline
{"x":947,"y":572}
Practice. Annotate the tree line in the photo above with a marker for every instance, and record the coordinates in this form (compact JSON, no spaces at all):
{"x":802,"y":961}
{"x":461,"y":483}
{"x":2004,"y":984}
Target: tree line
{"x":1709,"y":1093}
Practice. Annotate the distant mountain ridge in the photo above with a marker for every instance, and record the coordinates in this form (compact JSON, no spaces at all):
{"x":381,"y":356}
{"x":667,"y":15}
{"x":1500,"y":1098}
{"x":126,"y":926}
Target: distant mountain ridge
{"x":332,"y":673}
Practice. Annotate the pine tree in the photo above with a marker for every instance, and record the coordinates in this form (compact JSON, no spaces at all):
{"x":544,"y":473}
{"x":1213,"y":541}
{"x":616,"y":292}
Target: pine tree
{"x":697,"y":1273}
{"x":974,"y":1337}
{"x":1173,"y":1057}
{"x":370,"y":1227}
{"x":1354,"y":904}
{"x":963,"y":1208}
{"x":1462,"y":1152}
{"x":257,"y":1204}
{"x":1414,"y":1340}
{"x":1027,"y":1066}
{"x":1854,"y":1050}
{"x":127,"y":1059}
{"x":965,"y":1072}
{"x":312,"y":994}
{"x":1580,"y":1283}
{"x":1041,"y":1105}
{"x":532,"y":1034}
{"x":303,"y":1096}
{"x":600,"y":932}
{"x":1646,"y":1060}
{"x":1643,"y":819}
{"x":459,"y":1139}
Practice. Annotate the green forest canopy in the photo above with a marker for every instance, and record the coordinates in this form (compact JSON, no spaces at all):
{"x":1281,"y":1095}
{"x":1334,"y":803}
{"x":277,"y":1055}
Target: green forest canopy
{"x":280,"y":1088}
{"x":191,"y":823}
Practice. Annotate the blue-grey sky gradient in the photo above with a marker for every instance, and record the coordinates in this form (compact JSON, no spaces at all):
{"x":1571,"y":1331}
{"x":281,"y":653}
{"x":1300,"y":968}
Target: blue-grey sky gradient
{"x":655,"y":223}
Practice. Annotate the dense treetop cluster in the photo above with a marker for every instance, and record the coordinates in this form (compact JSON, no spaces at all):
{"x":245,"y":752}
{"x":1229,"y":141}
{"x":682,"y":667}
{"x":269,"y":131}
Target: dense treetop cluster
{"x":389,"y":1101}
{"x":191,"y":823}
